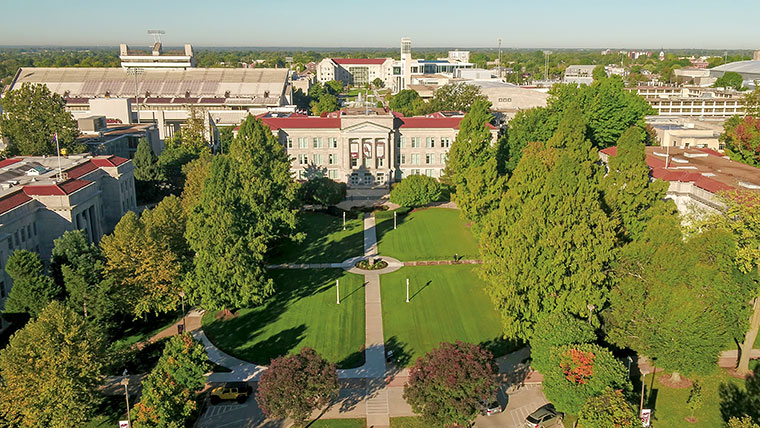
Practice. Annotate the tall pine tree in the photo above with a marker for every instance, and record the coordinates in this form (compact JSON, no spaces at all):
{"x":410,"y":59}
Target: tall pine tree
{"x":550,"y":244}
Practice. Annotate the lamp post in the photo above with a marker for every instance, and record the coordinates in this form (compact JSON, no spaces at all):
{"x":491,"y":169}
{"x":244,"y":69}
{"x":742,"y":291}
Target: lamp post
{"x":407,"y":290}
{"x":125,"y":382}
{"x":394,"y":220}
{"x":344,"y":220}
{"x":184,"y":323}
{"x":590,"y":310}
{"x":641,"y":405}
{"x":337,"y":290}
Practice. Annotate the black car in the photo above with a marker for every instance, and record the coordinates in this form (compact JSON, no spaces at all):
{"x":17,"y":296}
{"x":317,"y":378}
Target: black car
{"x":544,"y":417}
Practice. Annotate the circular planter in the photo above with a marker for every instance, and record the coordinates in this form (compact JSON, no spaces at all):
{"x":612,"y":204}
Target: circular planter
{"x":372,"y":264}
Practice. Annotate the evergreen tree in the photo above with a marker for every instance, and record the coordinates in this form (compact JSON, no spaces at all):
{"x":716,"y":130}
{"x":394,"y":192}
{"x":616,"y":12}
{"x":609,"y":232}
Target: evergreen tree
{"x":472,"y":145}
{"x":51,"y":370}
{"x":148,"y":174}
{"x":628,"y":192}
{"x":481,"y":191}
{"x":32,"y":290}
{"x":77,"y":266}
{"x":550,"y":244}
{"x":555,"y":330}
{"x":248,"y":201}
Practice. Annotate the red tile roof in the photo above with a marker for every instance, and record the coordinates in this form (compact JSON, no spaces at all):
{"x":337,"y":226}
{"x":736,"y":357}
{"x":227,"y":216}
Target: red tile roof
{"x":66,"y":188}
{"x":16,"y":199}
{"x":276,"y":123}
{"x":699,"y":180}
{"x":711,"y":152}
{"x":80,"y":170}
{"x":359,"y":61}
{"x":108,"y":161}
{"x":11,"y":161}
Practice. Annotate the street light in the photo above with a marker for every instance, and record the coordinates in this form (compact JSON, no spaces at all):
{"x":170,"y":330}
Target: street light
{"x":590,"y":308}
{"x":125,"y":382}
{"x":184,"y":323}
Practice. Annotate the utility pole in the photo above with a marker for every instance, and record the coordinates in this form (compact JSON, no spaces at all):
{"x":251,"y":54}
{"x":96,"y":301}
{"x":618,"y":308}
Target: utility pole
{"x":125,"y":382}
{"x":546,"y":65}
{"x":184,"y":318}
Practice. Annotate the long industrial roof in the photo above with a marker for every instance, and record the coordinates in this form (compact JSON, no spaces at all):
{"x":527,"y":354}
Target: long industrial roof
{"x":84,"y":82}
{"x":741,"y":67}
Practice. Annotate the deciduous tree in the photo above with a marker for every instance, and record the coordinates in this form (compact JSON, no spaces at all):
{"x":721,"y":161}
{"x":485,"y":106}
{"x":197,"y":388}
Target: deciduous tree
{"x":31,"y":116}
{"x":608,"y":410}
{"x":742,"y":139}
{"x":450,"y":383}
{"x":416,"y":191}
{"x":323,"y":191}
{"x":77,"y":266}
{"x":148,"y":174}
{"x":472,"y":146}
{"x":730,"y":79}
{"x":455,"y":97}
{"x":555,"y":330}
{"x":168,"y":392}
{"x":295,"y":385}
{"x":406,"y":102}
{"x":579,"y":372}
{"x":51,"y":370}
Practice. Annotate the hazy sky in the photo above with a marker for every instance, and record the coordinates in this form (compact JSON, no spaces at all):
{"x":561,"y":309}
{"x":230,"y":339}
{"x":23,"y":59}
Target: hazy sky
{"x":726,"y":24}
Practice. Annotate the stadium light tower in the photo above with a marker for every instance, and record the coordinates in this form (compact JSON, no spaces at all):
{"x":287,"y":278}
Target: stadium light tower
{"x":156,"y":35}
{"x":546,"y":65}
{"x":136,"y":71}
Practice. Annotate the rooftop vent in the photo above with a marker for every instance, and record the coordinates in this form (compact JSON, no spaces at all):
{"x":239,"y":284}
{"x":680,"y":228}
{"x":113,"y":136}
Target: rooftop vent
{"x":751,"y":186}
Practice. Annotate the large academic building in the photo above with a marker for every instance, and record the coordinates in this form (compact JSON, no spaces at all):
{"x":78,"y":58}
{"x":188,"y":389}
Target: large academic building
{"x":367,"y":147}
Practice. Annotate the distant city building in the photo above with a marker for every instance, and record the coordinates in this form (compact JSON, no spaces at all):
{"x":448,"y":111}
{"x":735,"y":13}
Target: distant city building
{"x":580,"y":74}
{"x":696,"y":176}
{"x":37,"y":205}
{"x":692,"y":101}
{"x":508,"y":99}
{"x":687,"y":132}
{"x":395,"y":74}
{"x":696,"y":76}
{"x":367,"y":147}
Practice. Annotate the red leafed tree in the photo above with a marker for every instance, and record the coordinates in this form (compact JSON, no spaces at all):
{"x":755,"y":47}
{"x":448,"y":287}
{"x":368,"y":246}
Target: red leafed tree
{"x":577,"y":365}
{"x":742,"y":139}
{"x":448,"y":385}
{"x":296,"y":385}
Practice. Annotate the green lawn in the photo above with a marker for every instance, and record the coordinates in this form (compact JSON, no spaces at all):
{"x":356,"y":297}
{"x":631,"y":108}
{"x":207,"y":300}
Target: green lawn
{"x":430,"y":234}
{"x":302,"y":312}
{"x":325,"y":242}
{"x":113,"y":408}
{"x":669,"y":404}
{"x":447,"y":303}
{"x":408,"y":422}
{"x":338,"y":423}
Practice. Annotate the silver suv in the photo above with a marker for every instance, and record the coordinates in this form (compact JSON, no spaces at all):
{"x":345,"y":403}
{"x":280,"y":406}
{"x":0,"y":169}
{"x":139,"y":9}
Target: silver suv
{"x":544,"y":417}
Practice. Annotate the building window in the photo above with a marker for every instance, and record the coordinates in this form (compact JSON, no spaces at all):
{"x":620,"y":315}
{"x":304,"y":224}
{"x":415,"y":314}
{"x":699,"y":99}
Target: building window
{"x":443,"y":158}
{"x":430,"y":142}
{"x":402,"y":159}
{"x":29,"y":230}
{"x":303,"y":159}
{"x":402,"y":142}
{"x":331,"y":159}
{"x":429,"y":172}
{"x":23,"y":235}
{"x":445,"y":142}
{"x":415,"y":172}
{"x":415,"y":142}
{"x":10,"y":243}
{"x":415,"y":158}
{"x":333,"y":142}
{"x":333,"y":173}
{"x":317,"y":159}
{"x":354,"y":162}
{"x":302,"y":143}
{"x":429,"y":158}
{"x":380,"y":162}
{"x":317,"y":142}
{"x":290,"y":143}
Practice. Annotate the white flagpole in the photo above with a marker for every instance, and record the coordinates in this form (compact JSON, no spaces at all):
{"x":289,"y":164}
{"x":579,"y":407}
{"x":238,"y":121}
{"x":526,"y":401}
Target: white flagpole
{"x":337,"y":290}
{"x":58,"y":149}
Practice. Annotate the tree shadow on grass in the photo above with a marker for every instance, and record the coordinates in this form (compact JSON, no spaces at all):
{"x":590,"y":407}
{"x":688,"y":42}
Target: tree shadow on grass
{"x":384,"y":221}
{"x":397,"y":354}
{"x":290,"y":286}
{"x":316,"y":247}
{"x":737,"y":401}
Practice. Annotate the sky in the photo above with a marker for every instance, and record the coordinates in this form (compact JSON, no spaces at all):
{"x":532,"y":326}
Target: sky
{"x":700,"y":24}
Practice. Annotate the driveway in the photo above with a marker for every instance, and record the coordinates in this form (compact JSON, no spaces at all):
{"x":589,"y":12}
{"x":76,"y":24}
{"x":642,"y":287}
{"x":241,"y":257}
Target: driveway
{"x":519,"y":404}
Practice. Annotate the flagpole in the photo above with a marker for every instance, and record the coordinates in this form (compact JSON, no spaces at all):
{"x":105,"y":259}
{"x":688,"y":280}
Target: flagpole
{"x":58,"y":149}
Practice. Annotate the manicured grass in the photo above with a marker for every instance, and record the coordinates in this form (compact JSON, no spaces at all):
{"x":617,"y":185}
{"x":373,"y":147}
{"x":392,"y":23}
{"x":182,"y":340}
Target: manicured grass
{"x":338,"y":423}
{"x":409,"y":422}
{"x":447,"y":303}
{"x":429,"y":234}
{"x":302,"y":312}
{"x":669,"y":404}
{"x":113,"y":409}
{"x":325,"y":242}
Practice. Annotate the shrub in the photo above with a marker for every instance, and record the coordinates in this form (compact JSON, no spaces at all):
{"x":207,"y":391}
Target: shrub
{"x":416,"y":191}
{"x":579,"y":372}
{"x":608,"y":410}
{"x":554,"y":330}
{"x":323,"y":191}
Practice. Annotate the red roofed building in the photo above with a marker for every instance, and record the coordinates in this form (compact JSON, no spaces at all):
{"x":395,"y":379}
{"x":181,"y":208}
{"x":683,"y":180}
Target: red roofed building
{"x":367,"y":147}
{"x":696,"y":176}
{"x":40,"y":199}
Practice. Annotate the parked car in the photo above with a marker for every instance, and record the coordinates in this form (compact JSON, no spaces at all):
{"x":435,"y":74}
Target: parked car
{"x":238,"y":391}
{"x":544,"y":417}
{"x":491,"y":407}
